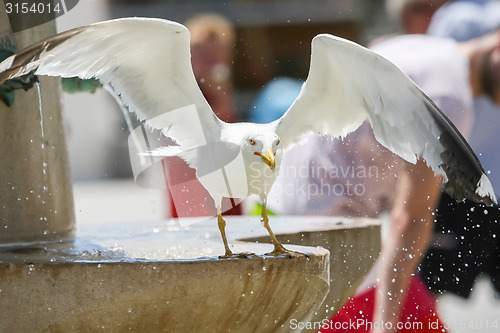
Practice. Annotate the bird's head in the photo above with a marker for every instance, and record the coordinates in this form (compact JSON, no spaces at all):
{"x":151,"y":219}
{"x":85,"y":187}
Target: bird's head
{"x":262,"y":147}
{"x":258,"y":143}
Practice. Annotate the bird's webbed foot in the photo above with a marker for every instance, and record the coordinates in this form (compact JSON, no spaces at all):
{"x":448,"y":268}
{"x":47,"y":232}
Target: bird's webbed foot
{"x":280,"y":250}
{"x":241,"y":255}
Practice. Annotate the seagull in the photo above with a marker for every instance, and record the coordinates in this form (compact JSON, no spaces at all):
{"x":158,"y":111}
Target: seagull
{"x":146,"y":62}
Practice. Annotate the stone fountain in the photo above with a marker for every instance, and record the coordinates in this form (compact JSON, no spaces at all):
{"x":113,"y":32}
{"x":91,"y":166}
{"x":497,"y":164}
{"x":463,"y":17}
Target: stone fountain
{"x":148,"y":277}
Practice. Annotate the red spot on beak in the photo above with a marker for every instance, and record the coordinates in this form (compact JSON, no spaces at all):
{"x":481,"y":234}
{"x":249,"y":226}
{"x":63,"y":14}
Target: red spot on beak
{"x":268,"y":158}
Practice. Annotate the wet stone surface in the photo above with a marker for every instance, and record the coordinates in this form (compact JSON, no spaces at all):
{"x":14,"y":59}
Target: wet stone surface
{"x":158,"y":277}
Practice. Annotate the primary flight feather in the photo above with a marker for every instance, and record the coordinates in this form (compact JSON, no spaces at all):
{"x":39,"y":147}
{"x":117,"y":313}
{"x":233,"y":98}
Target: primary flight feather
{"x":147,"y":64}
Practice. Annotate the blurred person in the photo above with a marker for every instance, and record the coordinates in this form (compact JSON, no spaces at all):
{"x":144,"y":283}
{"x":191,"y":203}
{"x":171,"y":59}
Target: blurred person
{"x":464,"y":235}
{"x":356,"y":177}
{"x":212,"y":46}
{"x":212,"y":52}
{"x":463,"y":20}
{"x":413,"y":15}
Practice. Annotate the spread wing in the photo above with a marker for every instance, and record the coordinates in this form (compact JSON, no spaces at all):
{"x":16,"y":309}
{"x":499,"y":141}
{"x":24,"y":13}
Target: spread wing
{"x":146,"y":62}
{"x":348,"y":83}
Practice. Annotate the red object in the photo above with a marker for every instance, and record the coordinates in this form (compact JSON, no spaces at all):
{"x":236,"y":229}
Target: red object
{"x":418,"y":314}
{"x":187,"y":197}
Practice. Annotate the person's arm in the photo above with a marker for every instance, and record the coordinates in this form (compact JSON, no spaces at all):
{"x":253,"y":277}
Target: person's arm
{"x":417,"y":195}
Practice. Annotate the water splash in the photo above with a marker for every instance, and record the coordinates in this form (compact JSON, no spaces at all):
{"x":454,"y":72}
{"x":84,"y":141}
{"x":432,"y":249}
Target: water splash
{"x":42,"y":133}
{"x":39,"y":91}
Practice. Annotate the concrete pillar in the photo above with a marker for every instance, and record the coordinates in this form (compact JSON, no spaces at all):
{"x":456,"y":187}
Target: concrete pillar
{"x":36,"y":199}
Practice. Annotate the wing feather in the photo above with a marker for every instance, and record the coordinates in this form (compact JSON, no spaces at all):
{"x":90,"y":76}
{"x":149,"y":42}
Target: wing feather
{"x":348,"y":84}
{"x":146,"y":62}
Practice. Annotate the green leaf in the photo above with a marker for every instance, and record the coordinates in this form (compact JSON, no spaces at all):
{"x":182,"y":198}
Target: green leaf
{"x":257,"y":210}
{"x":75,"y":84}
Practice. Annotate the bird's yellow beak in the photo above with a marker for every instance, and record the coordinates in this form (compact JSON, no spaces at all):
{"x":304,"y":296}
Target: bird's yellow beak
{"x":268,"y":158}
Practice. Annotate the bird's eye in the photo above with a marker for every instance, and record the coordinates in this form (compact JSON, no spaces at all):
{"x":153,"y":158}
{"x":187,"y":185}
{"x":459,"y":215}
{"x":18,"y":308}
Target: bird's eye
{"x":278,"y":142}
{"x":252,"y":142}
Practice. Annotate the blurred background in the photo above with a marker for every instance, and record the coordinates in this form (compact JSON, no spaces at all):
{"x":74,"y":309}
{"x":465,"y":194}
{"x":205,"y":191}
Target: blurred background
{"x":271,"y":39}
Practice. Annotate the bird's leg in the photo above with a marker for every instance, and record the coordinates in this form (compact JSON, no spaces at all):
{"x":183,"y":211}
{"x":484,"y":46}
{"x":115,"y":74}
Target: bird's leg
{"x":278,"y":247}
{"x":222,"y":228}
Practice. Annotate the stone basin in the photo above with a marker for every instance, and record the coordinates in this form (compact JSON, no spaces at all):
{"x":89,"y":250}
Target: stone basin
{"x":167,"y":277}
{"x":156,"y":278}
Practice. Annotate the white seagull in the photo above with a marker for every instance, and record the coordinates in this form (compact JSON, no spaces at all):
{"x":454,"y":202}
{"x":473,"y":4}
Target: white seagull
{"x":146,"y":61}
